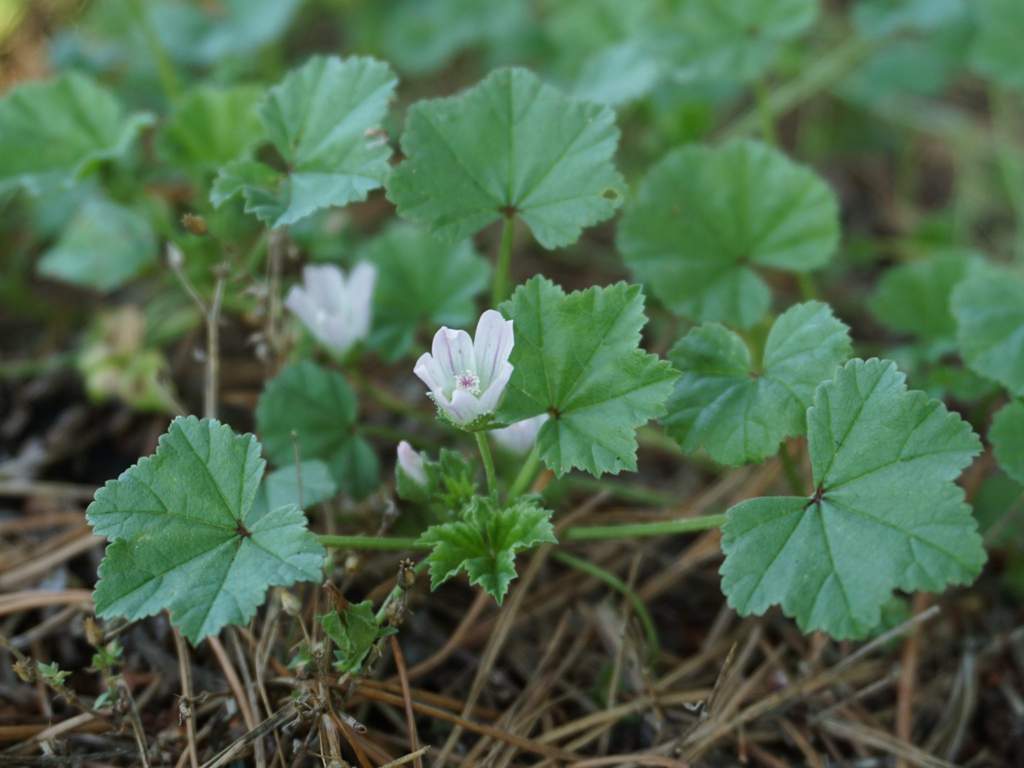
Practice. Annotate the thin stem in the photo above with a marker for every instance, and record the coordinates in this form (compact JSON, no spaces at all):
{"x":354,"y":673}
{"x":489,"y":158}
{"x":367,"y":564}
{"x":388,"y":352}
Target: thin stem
{"x":764,"y":113}
{"x":790,"y":470}
{"x":213,"y":350}
{"x":384,"y":543}
{"x":1008,"y":162}
{"x":499,"y":287}
{"x":613,"y":581}
{"x":488,"y":460}
{"x":575,"y":533}
{"x":827,"y":70}
{"x":526,"y":474}
{"x":634,"y":530}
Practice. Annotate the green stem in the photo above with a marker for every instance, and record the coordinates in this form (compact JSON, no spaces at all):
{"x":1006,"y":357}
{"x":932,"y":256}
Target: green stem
{"x":1009,"y":163}
{"x":808,"y":290}
{"x":764,"y":113}
{"x":613,"y":581}
{"x":636,"y":530}
{"x":827,"y":70}
{"x":789,"y":468}
{"x":499,"y":288}
{"x":396,"y":591}
{"x":488,"y":460}
{"x":526,"y":474}
{"x":575,"y":533}
{"x":383,"y":543}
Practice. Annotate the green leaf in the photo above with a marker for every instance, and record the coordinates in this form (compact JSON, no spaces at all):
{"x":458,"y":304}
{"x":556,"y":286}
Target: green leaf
{"x":421,"y":281}
{"x":183,"y":535}
{"x":52,"y":673}
{"x":319,"y":408}
{"x":510,"y":144}
{"x":876,"y":19}
{"x":353,"y":632}
{"x":739,"y":410}
{"x":1007,"y":437}
{"x":211,"y":126}
{"x":451,"y":484}
{"x":702,"y":219}
{"x":321,"y":119}
{"x":885,"y":514}
{"x":282,"y":487}
{"x":485,"y":541}
{"x":104,"y":246}
{"x":421,"y":37}
{"x":735,"y":40}
{"x":53,"y":132}
{"x":996,"y":50}
{"x":914,"y":298}
{"x":199,"y":35}
{"x":989,"y":311}
{"x":577,"y":359}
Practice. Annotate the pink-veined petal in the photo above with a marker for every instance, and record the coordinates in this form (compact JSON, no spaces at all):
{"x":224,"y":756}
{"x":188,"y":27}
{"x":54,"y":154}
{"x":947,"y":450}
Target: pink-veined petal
{"x":465,"y":407}
{"x":430,"y":372}
{"x":453,"y":350}
{"x":490,"y":396}
{"x":492,"y":345}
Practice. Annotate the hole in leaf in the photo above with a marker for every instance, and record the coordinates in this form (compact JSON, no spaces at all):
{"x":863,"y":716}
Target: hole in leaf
{"x":610,"y":194}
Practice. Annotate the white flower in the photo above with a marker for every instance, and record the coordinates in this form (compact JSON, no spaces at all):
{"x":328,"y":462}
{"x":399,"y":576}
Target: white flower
{"x":335,"y":310}
{"x":518,"y":438}
{"x":468,"y":377}
{"x":411,"y":463}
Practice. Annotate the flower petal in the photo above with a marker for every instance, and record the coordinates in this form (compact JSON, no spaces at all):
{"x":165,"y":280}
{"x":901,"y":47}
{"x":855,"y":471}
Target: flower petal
{"x":465,"y":407}
{"x":490,"y":396}
{"x":326,"y":286}
{"x":411,"y":463}
{"x":360,"y":297}
{"x":492,"y":345}
{"x":519,"y":438}
{"x":430,"y":372}
{"x":453,"y":350}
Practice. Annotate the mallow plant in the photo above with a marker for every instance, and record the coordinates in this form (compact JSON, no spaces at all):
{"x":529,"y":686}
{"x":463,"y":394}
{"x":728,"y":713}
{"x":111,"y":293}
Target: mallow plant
{"x":552,"y":381}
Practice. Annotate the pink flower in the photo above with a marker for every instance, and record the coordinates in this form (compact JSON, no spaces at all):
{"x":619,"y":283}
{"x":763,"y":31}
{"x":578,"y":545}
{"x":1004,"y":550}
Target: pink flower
{"x":518,"y":438}
{"x":336,"y":310}
{"x":467,"y":377}
{"x":411,"y":463}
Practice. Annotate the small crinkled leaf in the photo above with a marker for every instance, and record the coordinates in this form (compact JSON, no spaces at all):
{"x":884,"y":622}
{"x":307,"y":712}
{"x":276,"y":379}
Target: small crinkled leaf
{"x":886,"y":513}
{"x":353,"y":632}
{"x":914,"y":298}
{"x":322,"y":119}
{"x":510,"y":144}
{"x":995,"y":53}
{"x":283,"y":486}
{"x":183,"y":534}
{"x":577,"y":358}
{"x":733,"y":39}
{"x":54,"y":131}
{"x":703,"y":218}
{"x":421,"y":282}
{"x":104,"y":246}
{"x":1007,"y":437}
{"x":989,"y":311}
{"x":485,"y":541}
{"x":318,"y":407}
{"x":738,"y":410}
{"x":212,"y":126}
